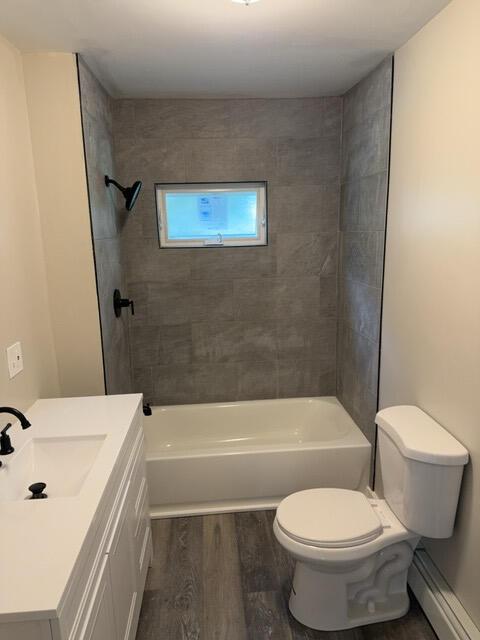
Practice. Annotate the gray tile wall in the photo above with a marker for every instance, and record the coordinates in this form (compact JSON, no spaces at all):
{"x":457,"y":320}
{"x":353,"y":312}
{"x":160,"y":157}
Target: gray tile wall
{"x":365,"y":152}
{"x":107,"y":217}
{"x":239,"y":323}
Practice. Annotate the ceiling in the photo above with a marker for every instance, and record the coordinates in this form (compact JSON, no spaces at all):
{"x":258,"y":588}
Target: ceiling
{"x":215,"y":48}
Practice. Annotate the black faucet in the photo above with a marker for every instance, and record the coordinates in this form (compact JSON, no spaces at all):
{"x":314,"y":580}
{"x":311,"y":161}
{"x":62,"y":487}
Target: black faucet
{"x":147,"y":409}
{"x":5,"y":442}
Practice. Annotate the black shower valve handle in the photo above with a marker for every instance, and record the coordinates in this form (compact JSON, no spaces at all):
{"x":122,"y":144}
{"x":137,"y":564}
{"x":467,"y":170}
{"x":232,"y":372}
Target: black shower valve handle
{"x":120,"y":303}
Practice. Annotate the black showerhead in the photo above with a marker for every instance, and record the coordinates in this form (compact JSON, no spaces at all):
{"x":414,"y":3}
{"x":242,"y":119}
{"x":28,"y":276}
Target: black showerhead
{"x":129,"y":193}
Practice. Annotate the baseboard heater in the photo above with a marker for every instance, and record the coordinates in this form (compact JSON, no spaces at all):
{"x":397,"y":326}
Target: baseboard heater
{"x":443,"y":609}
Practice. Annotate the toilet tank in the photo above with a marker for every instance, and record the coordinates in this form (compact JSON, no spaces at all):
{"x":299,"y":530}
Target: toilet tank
{"x":422,"y":466}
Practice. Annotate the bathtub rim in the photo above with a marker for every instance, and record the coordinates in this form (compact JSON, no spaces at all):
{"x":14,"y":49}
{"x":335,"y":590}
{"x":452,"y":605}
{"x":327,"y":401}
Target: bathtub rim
{"x":224,"y":452}
{"x":329,"y":399}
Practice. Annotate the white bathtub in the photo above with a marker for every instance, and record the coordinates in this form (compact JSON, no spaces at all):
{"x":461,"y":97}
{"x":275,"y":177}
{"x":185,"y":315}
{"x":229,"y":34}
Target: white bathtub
{"x":211,"y":458}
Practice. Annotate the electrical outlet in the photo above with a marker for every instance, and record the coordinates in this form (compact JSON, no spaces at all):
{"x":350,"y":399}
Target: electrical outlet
{"x":14,"y":359}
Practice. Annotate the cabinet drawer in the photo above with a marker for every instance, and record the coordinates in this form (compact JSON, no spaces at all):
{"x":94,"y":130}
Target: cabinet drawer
{"x":145,"y":555}
{"x":142,"y":522}
{"x":138,"y":477}
{"x":140,"y":506}
{"x":130,"y":479}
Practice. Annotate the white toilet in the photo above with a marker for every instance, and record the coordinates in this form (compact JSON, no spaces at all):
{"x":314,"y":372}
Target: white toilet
{"x":353,"y":553}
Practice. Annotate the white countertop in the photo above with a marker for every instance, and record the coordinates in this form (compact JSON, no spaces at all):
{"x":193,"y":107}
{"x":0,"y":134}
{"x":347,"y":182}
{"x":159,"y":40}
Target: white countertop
{"x":41,"y":540}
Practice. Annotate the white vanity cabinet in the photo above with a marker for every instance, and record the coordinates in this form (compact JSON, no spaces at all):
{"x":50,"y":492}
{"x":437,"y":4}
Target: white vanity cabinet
{"x":104,"y":593}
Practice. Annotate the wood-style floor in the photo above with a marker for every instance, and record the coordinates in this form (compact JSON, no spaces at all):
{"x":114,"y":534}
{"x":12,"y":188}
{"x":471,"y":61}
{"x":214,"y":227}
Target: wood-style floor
{"x":225,"y":577}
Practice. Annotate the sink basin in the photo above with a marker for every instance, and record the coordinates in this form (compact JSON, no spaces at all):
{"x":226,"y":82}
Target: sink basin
{"x":63,"y":463}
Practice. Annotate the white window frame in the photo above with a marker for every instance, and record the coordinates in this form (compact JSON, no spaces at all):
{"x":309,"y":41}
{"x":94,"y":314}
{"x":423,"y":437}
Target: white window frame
{"x":212,"y":187}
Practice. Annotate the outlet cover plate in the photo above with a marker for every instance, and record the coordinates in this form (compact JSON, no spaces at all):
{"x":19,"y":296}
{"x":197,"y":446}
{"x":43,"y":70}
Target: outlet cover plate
{"x":14,"y":359}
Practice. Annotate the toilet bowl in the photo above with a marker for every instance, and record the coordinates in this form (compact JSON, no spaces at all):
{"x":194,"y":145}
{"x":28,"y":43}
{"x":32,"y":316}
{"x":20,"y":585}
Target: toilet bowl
{"x":352,"y":552}
{"x":352,"y":557}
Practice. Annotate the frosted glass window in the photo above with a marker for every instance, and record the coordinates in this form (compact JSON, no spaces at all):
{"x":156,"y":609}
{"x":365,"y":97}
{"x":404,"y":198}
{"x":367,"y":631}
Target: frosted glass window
{"x":212,"y":215}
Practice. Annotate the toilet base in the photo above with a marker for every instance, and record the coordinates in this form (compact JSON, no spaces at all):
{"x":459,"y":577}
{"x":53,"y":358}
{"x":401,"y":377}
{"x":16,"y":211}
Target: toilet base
{"x":315,"y":620}
{"x":333,"y":601}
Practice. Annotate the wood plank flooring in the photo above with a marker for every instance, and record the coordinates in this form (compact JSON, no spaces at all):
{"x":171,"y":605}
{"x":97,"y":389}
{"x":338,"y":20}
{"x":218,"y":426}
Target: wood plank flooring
{"x":225,"y":577}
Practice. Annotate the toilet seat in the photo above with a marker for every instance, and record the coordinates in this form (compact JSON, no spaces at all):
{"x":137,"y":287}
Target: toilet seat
{"x":329,"y":518}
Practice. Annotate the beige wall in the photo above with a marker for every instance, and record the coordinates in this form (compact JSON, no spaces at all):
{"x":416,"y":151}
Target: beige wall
{"x":431,"y":322}
{"x":25,"y":312}
{"x":54,"y":111}
{"x":47,"y":274}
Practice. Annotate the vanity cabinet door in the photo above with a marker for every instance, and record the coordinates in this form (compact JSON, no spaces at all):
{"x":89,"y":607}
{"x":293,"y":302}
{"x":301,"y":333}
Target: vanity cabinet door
{"x":122,"y":576}
{"x":99,"y":623}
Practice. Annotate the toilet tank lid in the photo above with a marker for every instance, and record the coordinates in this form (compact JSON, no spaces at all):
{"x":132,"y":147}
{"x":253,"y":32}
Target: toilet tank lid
{"x":420,"y":437}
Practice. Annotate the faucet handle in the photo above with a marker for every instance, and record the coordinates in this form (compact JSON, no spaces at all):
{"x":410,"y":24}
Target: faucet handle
{"x":5,"y":442}
{"x":5,"y":429}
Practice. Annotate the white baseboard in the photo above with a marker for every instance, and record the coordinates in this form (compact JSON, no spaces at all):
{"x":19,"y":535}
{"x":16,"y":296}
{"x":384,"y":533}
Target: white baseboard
{"x":441,"y":606}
